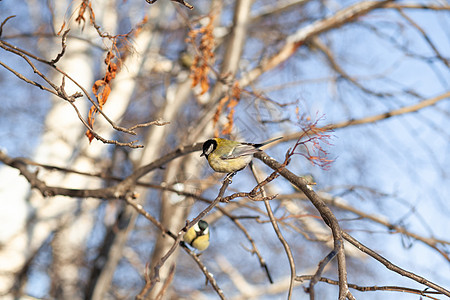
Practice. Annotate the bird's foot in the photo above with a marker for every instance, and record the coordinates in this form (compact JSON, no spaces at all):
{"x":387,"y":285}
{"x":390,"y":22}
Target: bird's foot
{"x":229,"y":177}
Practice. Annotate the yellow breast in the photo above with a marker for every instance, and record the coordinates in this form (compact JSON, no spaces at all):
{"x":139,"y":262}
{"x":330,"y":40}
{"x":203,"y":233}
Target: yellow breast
{"x":201,"y":242}
{"x":229,"y":165}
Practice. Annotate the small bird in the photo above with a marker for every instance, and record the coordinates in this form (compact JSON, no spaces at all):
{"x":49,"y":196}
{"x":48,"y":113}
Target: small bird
{"x":198,"y":235}
{"x":225,"y":156}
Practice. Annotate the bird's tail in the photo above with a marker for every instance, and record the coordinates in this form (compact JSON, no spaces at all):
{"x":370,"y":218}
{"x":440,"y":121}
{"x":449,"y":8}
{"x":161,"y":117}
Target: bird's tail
{"x":268,"y":142}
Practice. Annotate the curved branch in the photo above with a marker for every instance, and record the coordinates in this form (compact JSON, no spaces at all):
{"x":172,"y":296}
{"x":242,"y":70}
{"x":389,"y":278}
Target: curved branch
{"x":120,"y":191}
{"x":325,"y":212}
{"x":59,"y":91}
{"x":373,"y":288}
{"x":392,"y":113}
{"x":374,"y":118}
{"x":340,"y":203}
{"x":294,"y":41}
{"x":155,"y":277}
{"x":393,"y":267}
{"x":275,"y":226}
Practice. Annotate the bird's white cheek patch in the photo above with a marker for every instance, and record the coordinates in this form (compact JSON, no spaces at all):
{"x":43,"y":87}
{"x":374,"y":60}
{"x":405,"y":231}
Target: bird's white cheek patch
{"x":196,"y":228}
{"x":210,"y":149}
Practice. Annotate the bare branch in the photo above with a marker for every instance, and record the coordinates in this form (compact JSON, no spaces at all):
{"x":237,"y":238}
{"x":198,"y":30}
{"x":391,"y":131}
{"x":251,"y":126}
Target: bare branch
{"x":393,"y":267}
{"x":205,"y":271}
{"x":157,"y":123}
{"x":324,"y":211}
{"x":22,"y":77}
{"x":376,"y":118}
{"x":425,"y":37}
{"x":424,"y":293}
{"x":294,"y":41}
{"x":275,"y":226}
{"x":63,"y":47}
{"x":120,"y":191}
{"x":4,"y":22}
{"x":60,"y":92}
{"x":393,"y":228}
{"x":318,"y":274}
{"x":155,"y":274}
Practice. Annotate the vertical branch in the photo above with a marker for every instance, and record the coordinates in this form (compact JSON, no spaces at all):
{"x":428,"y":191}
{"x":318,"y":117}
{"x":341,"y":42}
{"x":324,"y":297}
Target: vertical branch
{"x":155,"y":277}
{"x":318,"y":273}
{"x":283,"y":241}
{"x":325,"y":212}
{"x":208,"y":275}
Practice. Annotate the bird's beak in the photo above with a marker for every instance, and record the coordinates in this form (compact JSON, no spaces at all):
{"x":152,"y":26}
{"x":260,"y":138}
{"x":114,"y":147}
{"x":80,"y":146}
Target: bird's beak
{"x":203,"y":154}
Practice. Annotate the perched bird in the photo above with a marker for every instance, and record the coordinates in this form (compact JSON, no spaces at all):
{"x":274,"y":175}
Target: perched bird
{"x":227,"y":156}
{"x":198,"y":235}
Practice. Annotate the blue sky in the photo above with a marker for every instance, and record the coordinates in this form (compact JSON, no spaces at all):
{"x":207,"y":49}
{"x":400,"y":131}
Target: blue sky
{"x":405,"y":157}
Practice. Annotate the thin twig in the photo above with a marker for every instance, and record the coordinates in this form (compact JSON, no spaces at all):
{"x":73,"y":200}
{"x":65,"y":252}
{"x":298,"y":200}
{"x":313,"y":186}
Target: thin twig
{"x":63,"y":47}
{"x":375,"y":118}
{"x":155,"y":274}
{"x":4,"y":22}
{"x":325,"y":212}
{"x":254,"y":249}
{"x":425,"y":37}
{"x":424,"y":293}
{"x":166,"y":283}
{"x":205,"y":271}
{"x":140,"y":209}
{"x":25,"y":54}
{"x":318,"y":274}
{"x":157,"y":123}
{"x":22,"y":77}
{"x":275,"y":226}
{"x":317,"y":43}
{"x":393,"y":267}
{"x":393,"y":228}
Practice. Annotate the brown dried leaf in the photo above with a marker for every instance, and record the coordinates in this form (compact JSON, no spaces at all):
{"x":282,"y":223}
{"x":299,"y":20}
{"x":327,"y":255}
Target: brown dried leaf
{"x":219,"y":110}
{"x":81,"y":12}
{"x":62,"y":28}
{"x":229,"y":126}
{"x":235,"y":97}
{"x":104,"y":95}
{"x":201,"y":66}
{"x":204,"y":83}
{"x":91,"y":14}
{"x":91,"y":120}
{"x":102,"y":87}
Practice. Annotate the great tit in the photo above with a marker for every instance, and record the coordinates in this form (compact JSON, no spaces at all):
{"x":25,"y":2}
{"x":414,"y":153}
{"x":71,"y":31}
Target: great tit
{"x":198,"y":235}
{"x":227,"y":156}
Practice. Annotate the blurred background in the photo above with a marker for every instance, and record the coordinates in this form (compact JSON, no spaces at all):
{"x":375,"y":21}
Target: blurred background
{"x":373,"y":76}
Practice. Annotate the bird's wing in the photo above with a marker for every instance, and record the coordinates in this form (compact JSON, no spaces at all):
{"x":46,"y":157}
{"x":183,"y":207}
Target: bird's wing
{"x":241,"y":150}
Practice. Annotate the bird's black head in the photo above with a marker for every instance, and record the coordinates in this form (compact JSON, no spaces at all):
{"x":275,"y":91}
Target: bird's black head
{"x":202,"y":225}
{"x":208,"y":147}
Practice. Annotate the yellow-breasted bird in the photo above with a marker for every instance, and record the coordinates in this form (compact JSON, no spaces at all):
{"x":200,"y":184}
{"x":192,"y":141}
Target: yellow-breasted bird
{"x":227,"y":156}
{"x":198,"y":235}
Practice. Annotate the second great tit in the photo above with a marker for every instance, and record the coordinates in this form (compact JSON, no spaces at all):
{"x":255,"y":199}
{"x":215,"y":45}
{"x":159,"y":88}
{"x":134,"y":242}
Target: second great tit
{"x":198,"y":235}
{"x":227,"y":156}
